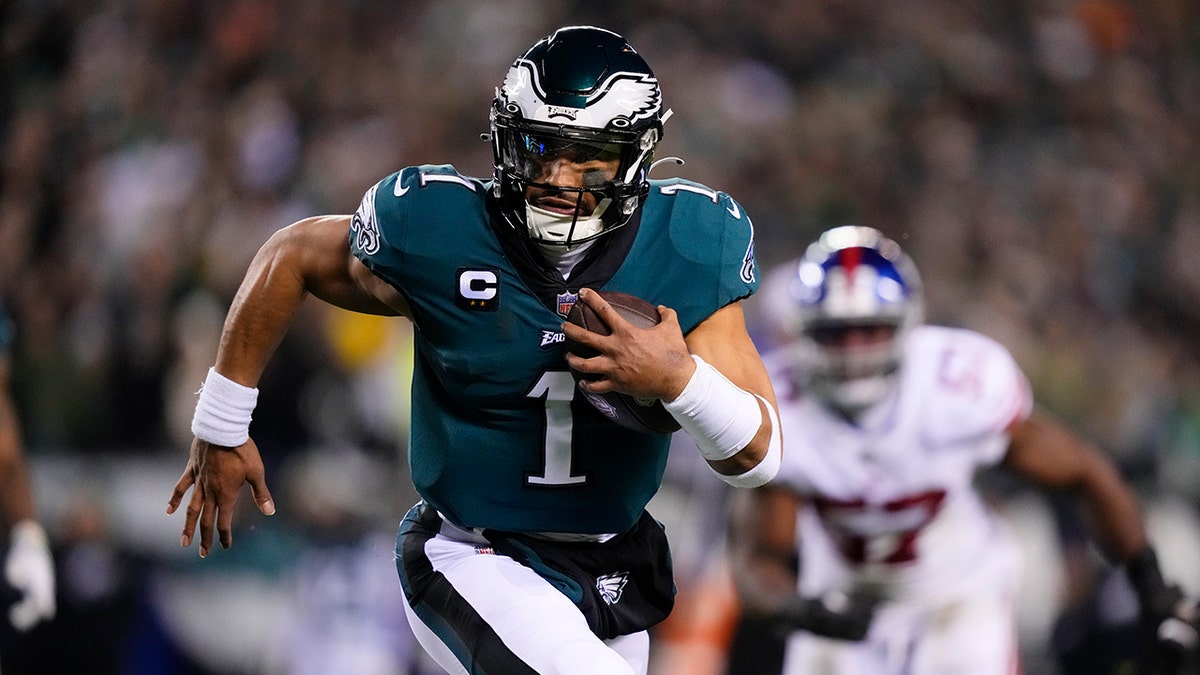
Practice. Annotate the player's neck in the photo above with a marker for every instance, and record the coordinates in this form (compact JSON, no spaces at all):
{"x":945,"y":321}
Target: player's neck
{"x":869,"y":415}
{"x":565,"y":258}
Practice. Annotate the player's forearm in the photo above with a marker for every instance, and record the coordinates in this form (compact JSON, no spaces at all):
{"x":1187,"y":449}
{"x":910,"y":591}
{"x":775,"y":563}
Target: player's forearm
{"x":1049,"y":453}
{"x":1115,"y":510}
{"x":16,"y":494}
{"x":764,"y":587}
{"x":762,"y":548}
{"x":261,"y":312}
{"x":753,"y":452}
{"x":728,"y":405}
{"x":309,"y":256}
{"x":737,"y":432}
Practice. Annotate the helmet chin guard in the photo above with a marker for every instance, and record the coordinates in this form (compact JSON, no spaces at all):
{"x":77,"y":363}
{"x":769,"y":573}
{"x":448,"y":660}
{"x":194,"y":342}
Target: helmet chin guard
{"x":581,"y":94}
{"x":567,"y":230}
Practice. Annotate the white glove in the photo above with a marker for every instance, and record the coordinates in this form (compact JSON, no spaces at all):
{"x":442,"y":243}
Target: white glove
{"x":30,"y":569}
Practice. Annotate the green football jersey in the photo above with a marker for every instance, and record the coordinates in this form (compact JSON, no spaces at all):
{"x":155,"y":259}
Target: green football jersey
{"x":500,"y":437}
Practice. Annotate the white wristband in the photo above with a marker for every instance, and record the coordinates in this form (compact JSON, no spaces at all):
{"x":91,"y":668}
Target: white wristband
{"x":720,"y":416}
{"x":768,"y":467}
{"x":223,"y":411}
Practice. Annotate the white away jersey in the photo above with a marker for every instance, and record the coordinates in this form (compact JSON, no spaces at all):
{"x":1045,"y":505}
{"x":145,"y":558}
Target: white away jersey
{"x":889,"y":506}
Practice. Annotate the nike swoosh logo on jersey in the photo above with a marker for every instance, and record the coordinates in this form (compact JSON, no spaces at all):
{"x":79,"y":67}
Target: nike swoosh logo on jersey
{"x":734,"y":210}
{"x":400,"y":189}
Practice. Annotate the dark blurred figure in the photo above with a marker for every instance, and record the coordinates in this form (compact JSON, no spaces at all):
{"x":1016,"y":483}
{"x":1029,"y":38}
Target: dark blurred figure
{"x":28,"y":579}
{"x":96,"y":599}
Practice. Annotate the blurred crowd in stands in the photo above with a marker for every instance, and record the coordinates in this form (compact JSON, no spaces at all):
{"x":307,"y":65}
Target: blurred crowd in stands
{"x":1039,"y":159}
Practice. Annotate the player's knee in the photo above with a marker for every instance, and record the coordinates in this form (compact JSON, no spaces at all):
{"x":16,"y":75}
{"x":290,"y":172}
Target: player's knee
{"x":570,"y":648}
{"x":589,"y":657}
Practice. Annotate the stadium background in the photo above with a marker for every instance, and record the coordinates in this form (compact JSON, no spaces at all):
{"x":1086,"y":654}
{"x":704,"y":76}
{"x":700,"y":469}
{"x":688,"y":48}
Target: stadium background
{"x":1040,"y":159}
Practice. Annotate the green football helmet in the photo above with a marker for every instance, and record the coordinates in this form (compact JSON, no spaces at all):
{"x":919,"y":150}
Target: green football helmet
{"x":581,"y":93}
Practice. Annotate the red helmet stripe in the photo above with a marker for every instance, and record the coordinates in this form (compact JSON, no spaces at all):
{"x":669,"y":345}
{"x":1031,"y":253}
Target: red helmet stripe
{"x":850,"y":259}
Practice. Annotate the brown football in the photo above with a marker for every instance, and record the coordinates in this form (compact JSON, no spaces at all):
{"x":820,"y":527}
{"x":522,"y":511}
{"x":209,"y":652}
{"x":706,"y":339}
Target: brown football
{"x":648,"y":416}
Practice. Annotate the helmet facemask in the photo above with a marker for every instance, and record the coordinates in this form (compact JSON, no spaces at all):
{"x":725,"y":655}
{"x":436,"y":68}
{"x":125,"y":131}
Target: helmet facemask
{"x":848,"y":373}
{"x":610,"y":183}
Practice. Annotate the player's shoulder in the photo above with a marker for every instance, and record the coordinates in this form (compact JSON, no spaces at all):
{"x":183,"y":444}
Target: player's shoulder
{"x":946,"y":352}
{"x":697,"y":216}
{"x":969,"y":383}
{"x":929,"y":340}
{"x":688,"y":193}
{"x":405,"y":208}
{"x":420,"y":193}
{"x":414,"y":181}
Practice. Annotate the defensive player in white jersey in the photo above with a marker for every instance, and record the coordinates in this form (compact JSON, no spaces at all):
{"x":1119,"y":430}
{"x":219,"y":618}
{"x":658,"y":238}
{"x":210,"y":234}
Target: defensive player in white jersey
{"x":902,"y":567}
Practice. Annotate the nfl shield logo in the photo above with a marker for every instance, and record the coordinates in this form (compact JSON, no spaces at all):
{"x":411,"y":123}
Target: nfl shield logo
{"x":566,"y":301}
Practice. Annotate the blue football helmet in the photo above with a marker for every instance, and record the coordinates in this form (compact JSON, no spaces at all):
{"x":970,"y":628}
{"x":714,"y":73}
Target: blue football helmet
{"x":850,"y":301}
{"x":581,"y":93}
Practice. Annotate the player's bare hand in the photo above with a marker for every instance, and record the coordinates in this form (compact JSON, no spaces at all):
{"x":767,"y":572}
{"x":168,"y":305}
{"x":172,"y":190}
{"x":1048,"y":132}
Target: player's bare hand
{"x":215,"y":475}
{"x":645,"y":362}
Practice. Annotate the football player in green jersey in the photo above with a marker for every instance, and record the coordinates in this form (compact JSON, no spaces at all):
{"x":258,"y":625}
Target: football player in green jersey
{"x":531,"y":549}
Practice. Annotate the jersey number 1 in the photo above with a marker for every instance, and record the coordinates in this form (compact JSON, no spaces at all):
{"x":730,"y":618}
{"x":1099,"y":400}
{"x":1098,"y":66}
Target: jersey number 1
{"x":556,"y":388}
